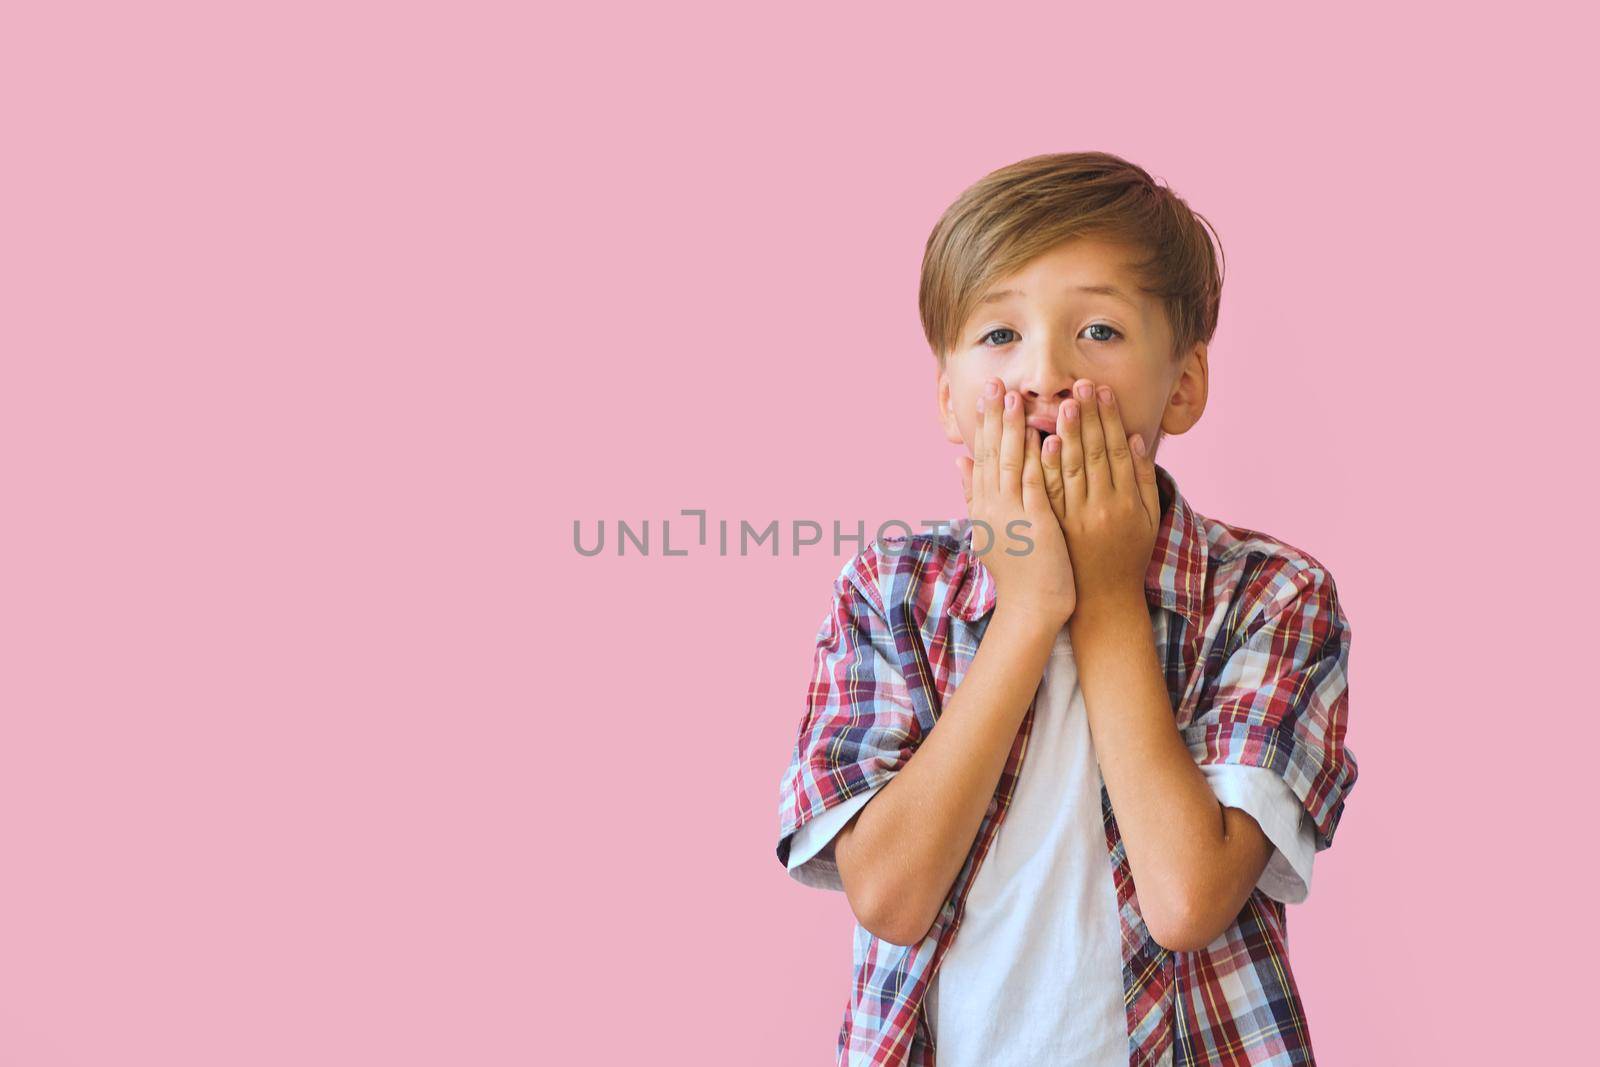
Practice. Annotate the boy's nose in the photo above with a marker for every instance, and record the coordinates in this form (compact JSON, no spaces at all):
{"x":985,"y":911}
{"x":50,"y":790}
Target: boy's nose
{"x":1047,"y":399}
{"x":1047,"y":380}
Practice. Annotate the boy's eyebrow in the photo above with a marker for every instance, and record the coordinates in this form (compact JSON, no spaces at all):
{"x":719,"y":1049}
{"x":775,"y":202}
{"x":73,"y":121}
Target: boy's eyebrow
{"x":1102,"y":290}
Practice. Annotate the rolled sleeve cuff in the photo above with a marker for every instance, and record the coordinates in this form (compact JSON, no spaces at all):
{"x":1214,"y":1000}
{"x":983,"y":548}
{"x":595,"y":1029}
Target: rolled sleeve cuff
{"x":811,"y":859}
{"x":1269,"y":800}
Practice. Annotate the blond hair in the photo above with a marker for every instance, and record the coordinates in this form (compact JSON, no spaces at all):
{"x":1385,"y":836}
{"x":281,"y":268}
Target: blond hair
{"x":1014,"y":214}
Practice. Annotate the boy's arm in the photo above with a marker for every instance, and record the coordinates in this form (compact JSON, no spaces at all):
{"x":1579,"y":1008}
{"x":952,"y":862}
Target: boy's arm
{"x":1278,"y":703}
{"x":1194,"y":861}
{"x":900,"y":854}
{"x":897,"y":856}
{"x":1267,"y":798}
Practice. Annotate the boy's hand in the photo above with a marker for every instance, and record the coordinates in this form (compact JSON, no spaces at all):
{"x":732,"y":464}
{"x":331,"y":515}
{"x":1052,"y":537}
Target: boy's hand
{"x":1004,"y":482}
{"x":1108,"y":498}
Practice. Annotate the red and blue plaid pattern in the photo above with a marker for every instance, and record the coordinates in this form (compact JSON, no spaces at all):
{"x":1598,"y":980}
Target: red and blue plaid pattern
{"x":1254,"y":647}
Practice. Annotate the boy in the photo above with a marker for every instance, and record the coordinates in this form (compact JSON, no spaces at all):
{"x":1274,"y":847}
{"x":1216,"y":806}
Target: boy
{"x":1096,"y":732}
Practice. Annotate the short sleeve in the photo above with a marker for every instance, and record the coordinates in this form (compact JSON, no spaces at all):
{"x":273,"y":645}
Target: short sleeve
{"x":1280,"y":700}
{"x":859,"y":727}
{"x":811,"y":859}
{"x":1268,"y":800}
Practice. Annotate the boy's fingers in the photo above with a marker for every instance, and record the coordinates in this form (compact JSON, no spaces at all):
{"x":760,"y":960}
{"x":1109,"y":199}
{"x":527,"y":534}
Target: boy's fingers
{"x":991,"y":444}
{"x":1118,"y":458}
{"x":1144,"y":470}
{"x":1011,"y":449}
{"x":1094,"y":441}
{"x":1033,"y":494}
{"x":977,"y":471}
{"x":1074,"y":482}
{"x":1050,"y":460}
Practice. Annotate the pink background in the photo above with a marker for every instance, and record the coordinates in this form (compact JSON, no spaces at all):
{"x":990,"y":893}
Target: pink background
{"x":322,"y":324}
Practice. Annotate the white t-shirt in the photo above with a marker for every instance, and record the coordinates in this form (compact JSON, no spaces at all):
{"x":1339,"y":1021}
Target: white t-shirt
{"x":1034,"y":975}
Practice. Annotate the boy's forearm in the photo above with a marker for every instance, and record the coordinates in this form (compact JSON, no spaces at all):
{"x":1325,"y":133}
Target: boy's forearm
{"x":1188,"y":855}
{"x":911,"y":840}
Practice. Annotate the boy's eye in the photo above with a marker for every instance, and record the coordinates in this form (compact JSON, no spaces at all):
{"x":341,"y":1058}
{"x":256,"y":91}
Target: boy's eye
{"x":1092,"y":326}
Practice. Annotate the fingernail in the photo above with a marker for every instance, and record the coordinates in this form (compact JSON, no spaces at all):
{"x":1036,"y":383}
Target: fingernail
{"x":1105,"y":394}
{"x":1085,"y":390}
{"x":992,"y":389}
{"x":980,"y":405}
{"x":1011,"y":401}
{"x":1138,"y":444}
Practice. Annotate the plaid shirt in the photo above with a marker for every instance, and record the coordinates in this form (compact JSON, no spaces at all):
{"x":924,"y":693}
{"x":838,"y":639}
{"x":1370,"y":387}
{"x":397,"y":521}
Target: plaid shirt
{"x":1254,"y":648}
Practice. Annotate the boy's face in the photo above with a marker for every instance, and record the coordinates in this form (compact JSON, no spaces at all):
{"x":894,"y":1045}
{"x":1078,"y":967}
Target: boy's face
{"x":1047,"y":334}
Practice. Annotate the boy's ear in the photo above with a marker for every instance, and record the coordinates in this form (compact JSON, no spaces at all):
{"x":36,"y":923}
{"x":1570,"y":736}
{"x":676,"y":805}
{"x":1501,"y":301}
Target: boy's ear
{"x":1186,"y":400}
{"x":947,"y":413}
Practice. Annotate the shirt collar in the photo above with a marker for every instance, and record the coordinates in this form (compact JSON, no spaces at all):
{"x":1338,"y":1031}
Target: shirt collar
{"x":1175,"y":579}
